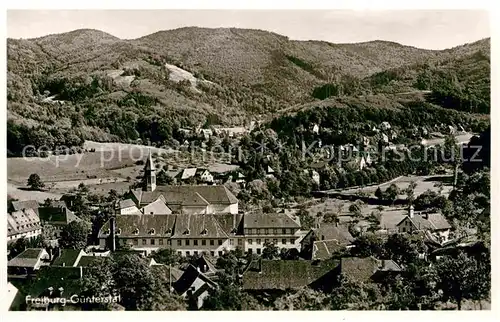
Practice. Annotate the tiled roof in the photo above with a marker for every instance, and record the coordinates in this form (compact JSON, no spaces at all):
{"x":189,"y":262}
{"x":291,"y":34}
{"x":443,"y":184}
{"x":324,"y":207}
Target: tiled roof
{"x":333,"y":232}
{"x":361,"y":269}
{"x":230,"y":223}
{"x":57,"y":215}
{"x":157,"y":207}
{"x":276,"y":220}
{"x":168,"y":272}
{"x":68,"y":257}
{"x":127,"y":203}
{"x":29,"y":258}
{"x":22,"y":221}
{"x":283,"y":275}
{"x":187,"y":173}
{"x":198,"y":226}
{"x":189,"y":277}
{"x":431,"y":222}
{"x":388,"y":265}
{"x":323,"y":249}
{"x":188,"y":195}
{"x":89,"y":260}
{"x":127,"y":225}
{"x":25,"y":204}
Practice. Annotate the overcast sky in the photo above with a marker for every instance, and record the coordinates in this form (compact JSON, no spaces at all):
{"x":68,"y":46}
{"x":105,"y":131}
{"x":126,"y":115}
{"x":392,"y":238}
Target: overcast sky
{"x":424,"y":29}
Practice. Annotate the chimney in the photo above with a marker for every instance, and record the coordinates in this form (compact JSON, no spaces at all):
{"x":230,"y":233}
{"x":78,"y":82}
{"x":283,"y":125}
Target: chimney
{"x":81,"y":272}
{"x":112,"y":234}
{"x":411,"y":211}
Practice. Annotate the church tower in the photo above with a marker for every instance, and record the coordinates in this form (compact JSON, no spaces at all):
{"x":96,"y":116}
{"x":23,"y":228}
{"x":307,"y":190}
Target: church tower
{"x":149,"y":174}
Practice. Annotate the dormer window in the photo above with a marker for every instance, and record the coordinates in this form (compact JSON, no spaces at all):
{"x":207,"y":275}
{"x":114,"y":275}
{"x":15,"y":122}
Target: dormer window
{"x":169,"y":231}
{"x":106,"y":232}
{"x":136,"y":231}
{"x":152,"y":231}
{"x":233,"y":231}
{"x":118,"y":231}
{"x":204,"y":232}
{"x":186,"y":232}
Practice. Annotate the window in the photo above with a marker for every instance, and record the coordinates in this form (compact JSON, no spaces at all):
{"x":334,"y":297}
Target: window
{"x":195,"y":242}
{"x":160,"y":242}
{"x":179,"y":253}
{"x":203,"y":242}
{"x":144,"y":242}
{"x":212,"y":242}
{"x":220,"y":252}
{"x":292,"y":241}
{"x":152,"y":231}
{"x":179,"y":243}
{"x":212,"y":253}
{"x":169,"y":242}
{"x":266,"y":231}
{"x":258,"y":231}
{"x":220,"y":242}
{"x":266,"y":241}
{"x":259,"y":241}
{"x":283,"y":231}
{"x":258,"y":251}
{"x":152,"y":241}
{"x":283,"y":241}
{"x":250,"y":251}
{"x":195,"y":252}
{"x":136,"y":242}
{"x":276,"y":231}
{"x":187,"y":242}
{"x":240,"y":242}
{"x":250,"y":242}
{"x":250,"y":231}
{"x":404,"y":229}
{"x":188,"y":253}
{"x":119,"y":231}
{"x":136,"y":231}
{"x":275,"y":241}
{"x":231,"y":242}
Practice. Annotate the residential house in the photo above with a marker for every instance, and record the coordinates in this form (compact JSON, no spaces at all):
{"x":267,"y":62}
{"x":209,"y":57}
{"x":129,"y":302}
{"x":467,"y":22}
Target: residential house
{"x":157,"y":207}
{"x":23,"y":223}
{"x":68,"y":258}
{"x":433,"y":222}
{"x":203,"y":175}
{"x":384,"y":126}
{"x":322,"y":242}
{"x":315,"y":129}
{"x":127,"y":207}
{"x":28,"y":262}
{"x":194,"y":286}
{"x":368,"y":269}
{"x":280,"y":276}
{"x":269,"y":172}
{"x":186,"y":174}
{"x":280,"y":229}
{"x":58,"y":217}
{"x":207,"y":133}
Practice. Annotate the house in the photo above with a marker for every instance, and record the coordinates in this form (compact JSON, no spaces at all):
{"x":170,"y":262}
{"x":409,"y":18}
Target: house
{"x":320,"y":243}
{"x":315,"y":129}
{"x":186,"y":174}
{"x":207,"y":133}
{"x":385,"y":138}
{"x":279,"y":228}
{"x":24,"y":204}
{"x":23,"y":223}
{"x":68,"y":258}
{"x":368,"y":269}
{"x":384,"y":126}
{"x":239,"y":178}
{"x":194,"y":286}
{"x":28,"y":262}
{"x":269,"y":172}
{"x":127,"y":207}
{"x":203,"y":175}
{"x":206,"y":265}
{"x":58,"y":217}
{"x":280,"y":276}
{"x":433,"y":222}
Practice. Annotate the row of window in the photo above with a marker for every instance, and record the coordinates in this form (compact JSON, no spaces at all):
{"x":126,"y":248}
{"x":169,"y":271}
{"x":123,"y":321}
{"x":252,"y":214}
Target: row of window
{"x":188,"y":253}
{"x":284,"y":241}
{"x":269,"y":231}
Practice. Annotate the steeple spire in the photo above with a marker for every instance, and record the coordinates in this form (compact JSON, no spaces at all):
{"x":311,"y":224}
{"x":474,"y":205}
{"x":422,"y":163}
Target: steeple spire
{"x":149,"y":174}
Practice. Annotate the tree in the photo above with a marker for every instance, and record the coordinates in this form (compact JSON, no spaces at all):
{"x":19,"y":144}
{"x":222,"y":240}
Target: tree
{"x":304,"y":299}
{"x":98,"y":281}
{"x":379,"y":194}
{"x":410,"y":192}
{"x":330,"y":218}
{"x":83,"y":188}
{"x":464,"y":277}
{"x":355,"y":209}
{"x":34,"y":182}
{"x":166,"y":256}
{"x":392,"y":193}
{"x":270,"y":251}
{"x":229,"y":297}
{"x":306,"y":220}
{"x":354,"y":295}
{"x":404,"y":249}
{"x":369,"y":245}
{"x":74,"y":235}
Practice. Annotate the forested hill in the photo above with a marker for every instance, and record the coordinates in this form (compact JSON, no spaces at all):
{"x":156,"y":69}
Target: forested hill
{"x":87,"y":84}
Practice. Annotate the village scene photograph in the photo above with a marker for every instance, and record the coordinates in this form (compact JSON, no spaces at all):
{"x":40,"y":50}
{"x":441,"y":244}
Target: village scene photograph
{"x":248,"y":160}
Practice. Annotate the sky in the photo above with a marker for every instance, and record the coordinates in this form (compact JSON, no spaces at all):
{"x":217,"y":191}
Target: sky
{"x":424,"y":29}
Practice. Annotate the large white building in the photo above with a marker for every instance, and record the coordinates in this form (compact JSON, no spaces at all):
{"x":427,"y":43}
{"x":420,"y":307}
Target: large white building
{"x":24,"y":223}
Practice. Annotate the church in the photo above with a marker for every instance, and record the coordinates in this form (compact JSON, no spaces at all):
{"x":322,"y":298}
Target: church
{"x":176,"y":199}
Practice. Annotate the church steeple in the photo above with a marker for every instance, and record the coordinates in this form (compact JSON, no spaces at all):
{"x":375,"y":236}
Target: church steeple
{"x":149,"y":174}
